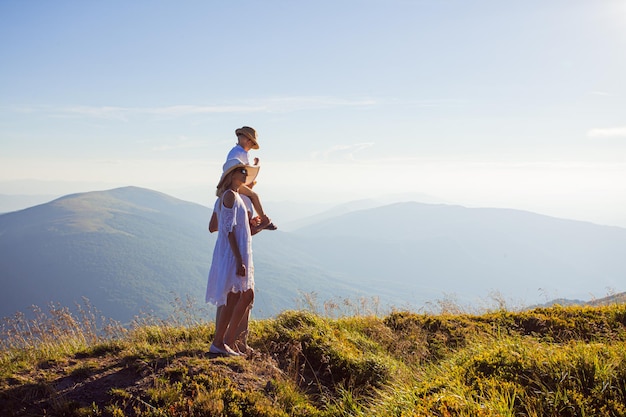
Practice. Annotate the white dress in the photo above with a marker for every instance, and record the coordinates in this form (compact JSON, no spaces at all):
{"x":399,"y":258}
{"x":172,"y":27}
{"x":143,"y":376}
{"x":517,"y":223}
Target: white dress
{"x":223,"y":276}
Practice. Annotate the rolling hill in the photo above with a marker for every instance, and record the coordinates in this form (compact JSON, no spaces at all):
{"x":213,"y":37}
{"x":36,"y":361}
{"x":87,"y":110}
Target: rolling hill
{"x":127,"y":250}
{"x":132,"y":250}
{"x":423,"y":249}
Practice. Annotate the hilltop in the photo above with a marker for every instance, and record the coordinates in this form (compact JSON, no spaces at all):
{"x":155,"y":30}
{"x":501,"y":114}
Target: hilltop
{"x":127,"y":250}
{"x":559,"y":361}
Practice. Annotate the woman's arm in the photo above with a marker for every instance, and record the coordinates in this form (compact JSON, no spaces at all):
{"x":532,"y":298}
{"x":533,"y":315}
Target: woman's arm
{"x":213,"y":223}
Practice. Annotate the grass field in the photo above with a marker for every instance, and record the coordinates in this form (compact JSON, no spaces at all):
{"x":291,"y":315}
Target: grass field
{"x":557,"y":361}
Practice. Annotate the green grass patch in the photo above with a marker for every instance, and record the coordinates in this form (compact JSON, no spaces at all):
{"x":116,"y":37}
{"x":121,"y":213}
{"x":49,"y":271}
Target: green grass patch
{"x":558,"y":361}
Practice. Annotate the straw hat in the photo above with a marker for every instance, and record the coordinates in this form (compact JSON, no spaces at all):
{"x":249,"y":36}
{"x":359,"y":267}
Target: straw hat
{"x":250,"y":133}
{"x":232,"y":164}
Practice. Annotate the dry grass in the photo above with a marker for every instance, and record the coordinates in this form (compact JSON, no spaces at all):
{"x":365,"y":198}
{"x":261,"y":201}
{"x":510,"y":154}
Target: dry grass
{"x":348,"y":360}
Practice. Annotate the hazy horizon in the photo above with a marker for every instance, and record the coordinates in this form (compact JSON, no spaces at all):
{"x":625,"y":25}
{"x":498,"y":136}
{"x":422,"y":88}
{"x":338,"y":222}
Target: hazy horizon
{"x":28,"y":197}
{"x":481,"y":104}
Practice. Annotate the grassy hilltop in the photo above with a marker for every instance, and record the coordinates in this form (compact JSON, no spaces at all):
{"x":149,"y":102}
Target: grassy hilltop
{"x":556,"y":361}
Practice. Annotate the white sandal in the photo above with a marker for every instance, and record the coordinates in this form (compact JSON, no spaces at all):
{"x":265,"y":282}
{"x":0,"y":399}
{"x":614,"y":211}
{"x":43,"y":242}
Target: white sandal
{"x":226,"y":351}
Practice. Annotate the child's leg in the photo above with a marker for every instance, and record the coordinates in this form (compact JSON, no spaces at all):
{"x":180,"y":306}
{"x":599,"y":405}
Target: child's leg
{"x":254,"y":197}
{"x":266,"y":223}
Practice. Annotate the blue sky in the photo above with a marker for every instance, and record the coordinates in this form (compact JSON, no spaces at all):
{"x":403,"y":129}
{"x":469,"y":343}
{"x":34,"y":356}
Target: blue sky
{"x":483,"y":103}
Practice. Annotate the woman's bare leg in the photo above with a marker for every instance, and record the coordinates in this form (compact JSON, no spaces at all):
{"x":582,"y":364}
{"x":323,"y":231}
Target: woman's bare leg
{"x":238,"y":312}
{"x":224,"y":318}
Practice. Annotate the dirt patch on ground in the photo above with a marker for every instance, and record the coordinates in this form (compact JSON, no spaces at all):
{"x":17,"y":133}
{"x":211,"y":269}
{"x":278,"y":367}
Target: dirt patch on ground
{"x":81,"y":382}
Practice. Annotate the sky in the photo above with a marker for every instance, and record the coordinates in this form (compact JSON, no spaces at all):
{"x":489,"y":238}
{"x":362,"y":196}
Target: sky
{"x":484,"y":104}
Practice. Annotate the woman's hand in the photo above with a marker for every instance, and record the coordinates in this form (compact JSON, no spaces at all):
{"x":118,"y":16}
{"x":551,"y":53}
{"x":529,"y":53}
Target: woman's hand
{"x":255,"y":222}
{"x":241,"y":270}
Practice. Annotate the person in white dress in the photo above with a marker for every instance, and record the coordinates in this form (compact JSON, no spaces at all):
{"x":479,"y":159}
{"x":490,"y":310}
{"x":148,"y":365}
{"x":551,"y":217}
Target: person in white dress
{"x":231,"y":276}
{"x":241,"y":337}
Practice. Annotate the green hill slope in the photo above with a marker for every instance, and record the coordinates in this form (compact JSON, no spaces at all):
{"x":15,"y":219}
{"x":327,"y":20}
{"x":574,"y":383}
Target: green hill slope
{"x":131,"y":251}
{"x":559,"y":361}
{"x":126,"y":250}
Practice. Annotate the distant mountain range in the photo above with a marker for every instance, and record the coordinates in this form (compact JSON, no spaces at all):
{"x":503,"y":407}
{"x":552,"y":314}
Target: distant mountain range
{"x":130,"y":250}
{"x":426,"y":249}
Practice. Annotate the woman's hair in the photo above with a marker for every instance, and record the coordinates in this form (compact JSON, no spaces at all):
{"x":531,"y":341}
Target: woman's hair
{"x":224,"y":184}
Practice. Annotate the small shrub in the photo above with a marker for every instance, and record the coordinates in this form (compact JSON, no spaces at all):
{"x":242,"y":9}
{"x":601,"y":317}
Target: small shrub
{"x":321,"y":355}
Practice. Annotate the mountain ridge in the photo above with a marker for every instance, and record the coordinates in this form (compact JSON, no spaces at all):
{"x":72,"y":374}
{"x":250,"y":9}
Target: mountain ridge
{"x":56,"y":248}
{"x":511,"y":241}
{"x":131,"y":249}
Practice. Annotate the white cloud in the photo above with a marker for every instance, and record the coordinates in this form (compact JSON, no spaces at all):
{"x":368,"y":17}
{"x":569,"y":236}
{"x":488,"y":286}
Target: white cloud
{"x":268,"y":105}
{"x":341,"y":152}
{"x":609,"y":132}
{"x":181,"y":143}
{"x":285,"y":104}
{"x":124,"y":113}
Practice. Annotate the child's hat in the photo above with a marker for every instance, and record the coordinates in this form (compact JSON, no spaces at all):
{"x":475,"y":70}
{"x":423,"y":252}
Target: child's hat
{"x":250,"y":133}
